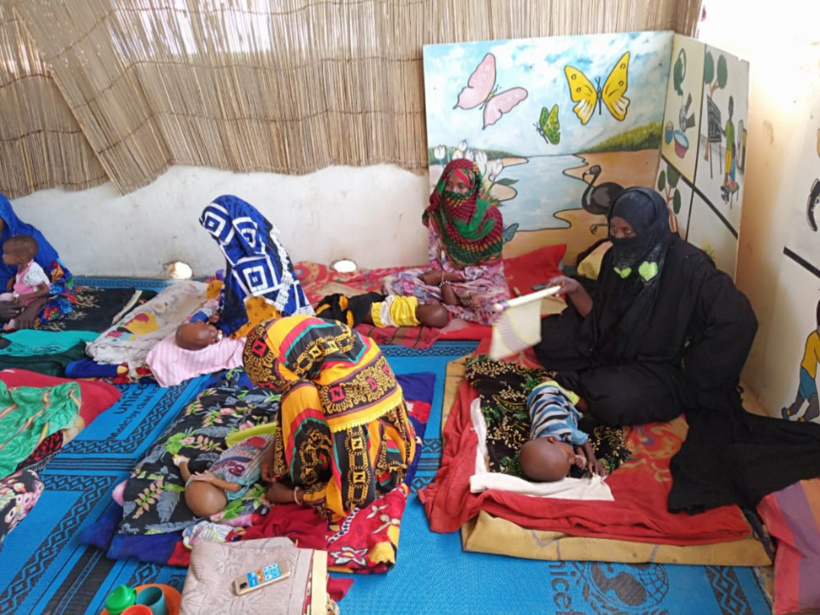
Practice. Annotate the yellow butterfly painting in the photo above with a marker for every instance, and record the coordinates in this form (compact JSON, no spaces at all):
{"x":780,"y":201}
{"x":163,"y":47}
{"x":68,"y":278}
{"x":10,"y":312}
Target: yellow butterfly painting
{"x":611,"y":94}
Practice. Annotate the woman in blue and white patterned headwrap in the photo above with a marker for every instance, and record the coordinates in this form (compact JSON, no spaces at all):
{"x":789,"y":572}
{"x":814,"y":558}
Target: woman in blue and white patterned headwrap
{"x":260,"y":283}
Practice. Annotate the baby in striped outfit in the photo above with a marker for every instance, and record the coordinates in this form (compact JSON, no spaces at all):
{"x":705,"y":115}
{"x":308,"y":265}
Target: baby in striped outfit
{"x":556,"y":444}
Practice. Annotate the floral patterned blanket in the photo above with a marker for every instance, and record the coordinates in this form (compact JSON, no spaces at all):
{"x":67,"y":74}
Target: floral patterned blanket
{"x":153,"y":496}
{"x":150,"y":524}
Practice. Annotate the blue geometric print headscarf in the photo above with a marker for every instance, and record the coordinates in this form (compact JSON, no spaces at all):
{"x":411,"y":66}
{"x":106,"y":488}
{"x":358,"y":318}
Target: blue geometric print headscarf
{"x":46,"y":254}
{"x":257,"y":263}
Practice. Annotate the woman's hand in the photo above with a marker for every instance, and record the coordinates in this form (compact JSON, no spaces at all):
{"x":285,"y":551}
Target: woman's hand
{"x":568,"y":285}
{"x":278,"y":493}
{"x":9,"y":310}
{"x":576,"y":293}
{"x":26,"y":318}
{"x":267,"y":471}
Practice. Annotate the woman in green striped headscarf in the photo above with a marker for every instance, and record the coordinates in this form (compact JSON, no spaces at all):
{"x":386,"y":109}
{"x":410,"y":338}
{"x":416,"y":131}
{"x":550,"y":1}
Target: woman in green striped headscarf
{"x":465,"y":270}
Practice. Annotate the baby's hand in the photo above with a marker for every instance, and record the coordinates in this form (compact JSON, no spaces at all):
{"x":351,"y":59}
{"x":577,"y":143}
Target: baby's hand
{"x":580,"y":461}
{"x":597,"y":468}
{"x":206,"y":477}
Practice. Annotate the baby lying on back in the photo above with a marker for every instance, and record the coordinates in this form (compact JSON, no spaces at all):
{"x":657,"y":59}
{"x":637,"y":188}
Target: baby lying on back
{"x":196,"y":348}
{"x":197,"y":335}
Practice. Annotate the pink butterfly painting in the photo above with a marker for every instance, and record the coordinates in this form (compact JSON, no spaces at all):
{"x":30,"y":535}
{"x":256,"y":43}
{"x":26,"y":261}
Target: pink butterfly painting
{"x":481,"y":92}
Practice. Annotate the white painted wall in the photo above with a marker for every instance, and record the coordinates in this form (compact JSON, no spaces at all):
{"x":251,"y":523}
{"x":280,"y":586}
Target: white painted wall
{"x":782,"y":49}
{"x":371,"y":214}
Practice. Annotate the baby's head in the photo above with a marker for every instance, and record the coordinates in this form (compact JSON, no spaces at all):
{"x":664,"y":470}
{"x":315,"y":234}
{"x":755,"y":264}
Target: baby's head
{"x":19,"y":250}
{"x":547,"y":459}
{"x":197,"y":335}
{"x":205,"y":499}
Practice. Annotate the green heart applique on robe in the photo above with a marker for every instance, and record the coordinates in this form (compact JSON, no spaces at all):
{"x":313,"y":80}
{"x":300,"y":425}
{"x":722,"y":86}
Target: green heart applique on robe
{"x":624,"y":273}
{"x":648,"y":270}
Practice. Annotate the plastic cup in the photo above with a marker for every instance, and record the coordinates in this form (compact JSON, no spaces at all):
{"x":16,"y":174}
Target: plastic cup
{"x":154,"y":599}
{"x":137,"y":609}
{"x":120,"y":599}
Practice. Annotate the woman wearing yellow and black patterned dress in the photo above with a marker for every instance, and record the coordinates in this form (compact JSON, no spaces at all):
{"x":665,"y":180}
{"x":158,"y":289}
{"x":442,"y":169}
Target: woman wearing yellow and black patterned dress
{"x":344,"y":436}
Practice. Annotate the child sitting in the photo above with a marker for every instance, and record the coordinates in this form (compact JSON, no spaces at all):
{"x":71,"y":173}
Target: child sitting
{"x":556,"y":443}
{"x":31,"y":282}
{"x":228,"y":478}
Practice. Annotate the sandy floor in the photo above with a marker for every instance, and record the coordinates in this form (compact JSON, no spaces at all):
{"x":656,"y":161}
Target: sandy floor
{"x":625,"y":168}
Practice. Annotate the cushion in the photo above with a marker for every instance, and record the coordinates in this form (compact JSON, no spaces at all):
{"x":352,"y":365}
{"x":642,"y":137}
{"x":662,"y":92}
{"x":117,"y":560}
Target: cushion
{"x":536,"y":267}
{"x":590,"y":266}
{"x":95,"y":396}
{"x":793,"y":517}
{"x":19,"y":493}
{"x":209,"y":586}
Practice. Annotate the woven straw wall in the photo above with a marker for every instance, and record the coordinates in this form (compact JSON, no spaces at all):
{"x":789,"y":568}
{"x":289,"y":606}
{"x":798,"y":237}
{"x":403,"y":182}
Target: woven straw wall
{"x":286,"y":86}
{"x":41,"y":143}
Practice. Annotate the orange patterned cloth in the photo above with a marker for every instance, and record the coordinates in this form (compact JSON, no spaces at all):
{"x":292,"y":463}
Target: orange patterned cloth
{"x":345,"y":437}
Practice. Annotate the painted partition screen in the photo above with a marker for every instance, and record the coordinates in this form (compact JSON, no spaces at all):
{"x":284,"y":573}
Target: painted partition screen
{"x":558,"y":125}
{"x":792,"y":357}
{"x":703,"y":153}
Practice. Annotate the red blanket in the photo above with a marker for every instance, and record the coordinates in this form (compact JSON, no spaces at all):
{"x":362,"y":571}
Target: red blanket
{"x":640,"y":488}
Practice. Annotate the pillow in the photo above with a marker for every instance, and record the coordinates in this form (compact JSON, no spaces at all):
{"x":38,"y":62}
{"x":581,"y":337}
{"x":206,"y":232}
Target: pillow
{"x":533,"y":268}
{"x":95,"y":397}
{"x":19,"y":493}
{"x":590,"y":265}
{"x":792,"y":515}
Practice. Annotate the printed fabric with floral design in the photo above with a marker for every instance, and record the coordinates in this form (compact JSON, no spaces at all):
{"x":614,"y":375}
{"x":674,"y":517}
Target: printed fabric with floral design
{"x":482,"y":288}
{"x":504,"y":388}
{"x":154,"y":493}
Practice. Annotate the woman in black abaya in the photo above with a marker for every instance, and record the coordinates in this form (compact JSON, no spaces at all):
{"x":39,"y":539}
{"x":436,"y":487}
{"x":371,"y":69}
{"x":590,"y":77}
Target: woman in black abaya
{"x":667,"y":332}
{"x":660,"y":304}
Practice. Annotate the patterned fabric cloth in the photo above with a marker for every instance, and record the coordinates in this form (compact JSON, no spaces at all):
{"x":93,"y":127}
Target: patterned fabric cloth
{"x":130,"y":339}
{"x":504,"y":388}
{"x":153,"y":502}
{"x":553,"y":413}
{"x":97,"y":308}
{"x":46,"y":449}
{"x":257,"y":263}
{"x":171,"y":364}
{"x":29,"y":414}
{"x":344,"y":437}
{"x":61,"y":297}
{"x":471,"y":227}
{"x":19,"y":493}
{"x":482,"y":288}
{"x":241,"y":464}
